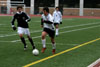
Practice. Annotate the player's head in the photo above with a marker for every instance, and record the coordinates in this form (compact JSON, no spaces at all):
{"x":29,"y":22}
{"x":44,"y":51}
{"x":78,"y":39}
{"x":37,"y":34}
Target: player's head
{"x":57,"y":8}
{"x":19,"y":8}
{"x":45,"y":10}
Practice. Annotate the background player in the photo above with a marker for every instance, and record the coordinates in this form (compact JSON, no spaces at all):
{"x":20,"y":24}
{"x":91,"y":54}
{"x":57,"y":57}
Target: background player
{"x":48,"y":28}
{"x":57,"y":19}
{"x":23,"y":28}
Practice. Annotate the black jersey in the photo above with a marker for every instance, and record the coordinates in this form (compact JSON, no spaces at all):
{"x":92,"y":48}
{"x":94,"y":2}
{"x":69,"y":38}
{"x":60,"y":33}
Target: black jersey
{"x":22,"y":19}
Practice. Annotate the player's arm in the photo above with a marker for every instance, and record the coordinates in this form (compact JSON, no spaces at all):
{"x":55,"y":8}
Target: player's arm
{"x":48,"y":22}
{"x":60,"y":18}
{"x":42,"y":21}
{"x":12,"y":22}
{"x":27,"y":17}
{"x":53,"y":15}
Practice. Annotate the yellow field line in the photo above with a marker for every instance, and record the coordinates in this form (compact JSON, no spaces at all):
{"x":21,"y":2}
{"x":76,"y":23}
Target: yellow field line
{"x":41,"y":60}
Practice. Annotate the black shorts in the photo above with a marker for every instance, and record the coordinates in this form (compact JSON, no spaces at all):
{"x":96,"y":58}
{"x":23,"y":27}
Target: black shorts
{"x":56,"y":24}
{"x":50,"y":32}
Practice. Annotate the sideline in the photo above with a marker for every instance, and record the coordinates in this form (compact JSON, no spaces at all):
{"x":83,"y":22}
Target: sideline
{"x":65,"y":51}
{"x":95,"y":64}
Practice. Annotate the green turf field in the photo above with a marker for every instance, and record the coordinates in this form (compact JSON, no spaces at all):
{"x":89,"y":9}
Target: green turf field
{"x":73,"y":32}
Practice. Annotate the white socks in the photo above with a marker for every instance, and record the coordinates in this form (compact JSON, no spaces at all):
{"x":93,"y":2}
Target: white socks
{"x":54,"y":46}
{"x":57,"y":31}
{"x":44,"y":43}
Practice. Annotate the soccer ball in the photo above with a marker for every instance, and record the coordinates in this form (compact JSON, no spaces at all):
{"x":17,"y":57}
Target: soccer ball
{"x":35,"y":52}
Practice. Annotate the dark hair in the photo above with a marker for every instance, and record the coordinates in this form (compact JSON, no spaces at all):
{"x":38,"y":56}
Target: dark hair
{"x":19,"y":7}
{"x":46,"y":9}
{"x":57,"y":7}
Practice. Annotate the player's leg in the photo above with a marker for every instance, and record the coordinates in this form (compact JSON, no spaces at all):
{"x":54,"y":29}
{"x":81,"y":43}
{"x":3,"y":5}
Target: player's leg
{"x":27,"y":32}
{"x":52,"y":36}
{"x":23,"y":41}
{"x":31,"y":41}
{"x":43,"y":41}
{"x":57,"y":29}
{"x":53,"y":45}
{"x":51,"y":33}
{"x":20,"y":32}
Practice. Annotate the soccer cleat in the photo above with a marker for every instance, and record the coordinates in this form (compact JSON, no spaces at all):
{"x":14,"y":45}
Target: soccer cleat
{"x":57,"y":34}
{"x":53,"y":51}
{"x":43,"y":50}
{"x":25,"y":48}
{"x":33,"y":47}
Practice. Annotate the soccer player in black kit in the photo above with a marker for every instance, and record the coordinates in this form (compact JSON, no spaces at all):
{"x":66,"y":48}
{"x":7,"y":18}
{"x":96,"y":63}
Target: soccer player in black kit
{"x":22,"y":24}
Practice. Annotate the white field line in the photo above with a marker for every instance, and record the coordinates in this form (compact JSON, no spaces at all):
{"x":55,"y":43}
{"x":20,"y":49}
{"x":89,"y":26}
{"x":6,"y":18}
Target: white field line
{"x":6,"y":41}
{"x":79,"y":25}
{"x":94,"y":63}
{"x":2,"y":24}
{"x":64,"y":32}
{"x":60,"y":28}
{"x":7,"y":35}
{"x":26,"y":39}
{"x":37,"y":21}
{"x":58,"y":44}
{"x":79,"y":29}
{"x":17,"y":34}
{"x":68,"y":19}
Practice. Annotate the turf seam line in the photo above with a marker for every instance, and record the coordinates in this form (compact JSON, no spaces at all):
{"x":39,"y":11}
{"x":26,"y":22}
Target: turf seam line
{"x":65,"y":51}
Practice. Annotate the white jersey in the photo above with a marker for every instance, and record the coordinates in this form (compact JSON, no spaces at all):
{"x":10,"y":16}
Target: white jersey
{"x":57,"y":16}
{"x":48,"y":18}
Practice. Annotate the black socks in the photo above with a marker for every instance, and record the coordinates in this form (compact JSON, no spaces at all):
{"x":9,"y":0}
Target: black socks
{"x":31,"y":41}
{"x":23,"y":41}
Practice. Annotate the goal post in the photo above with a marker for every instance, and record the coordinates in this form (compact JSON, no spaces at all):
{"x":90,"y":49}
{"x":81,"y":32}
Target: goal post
{"x":5,"y":7}
{"x":18,"y":1}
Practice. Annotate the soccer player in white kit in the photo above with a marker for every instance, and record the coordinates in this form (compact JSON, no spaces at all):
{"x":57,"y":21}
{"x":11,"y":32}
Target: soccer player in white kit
{"x":48,"y":28}
{"x":57,"y":17}
{"x":23,"y":27}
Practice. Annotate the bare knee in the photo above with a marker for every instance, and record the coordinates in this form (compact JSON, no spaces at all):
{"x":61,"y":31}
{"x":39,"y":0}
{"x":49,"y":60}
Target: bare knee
{"x":44,"y":35}
{"x":20,"y":35}
{"x":52,"y":40}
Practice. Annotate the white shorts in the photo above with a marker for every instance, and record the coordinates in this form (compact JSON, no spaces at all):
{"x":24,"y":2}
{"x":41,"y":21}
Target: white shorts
{"x":23,"y":31}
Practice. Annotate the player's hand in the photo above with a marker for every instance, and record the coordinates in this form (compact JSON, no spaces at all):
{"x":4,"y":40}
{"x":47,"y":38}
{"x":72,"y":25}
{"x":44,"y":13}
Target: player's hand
{"x":42,"y":26}
{"x":26,"y":20}
{"x":60,"y":22}
{"x":14,"y":28}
